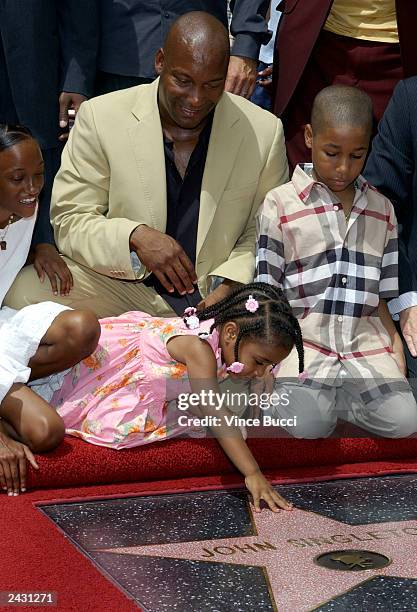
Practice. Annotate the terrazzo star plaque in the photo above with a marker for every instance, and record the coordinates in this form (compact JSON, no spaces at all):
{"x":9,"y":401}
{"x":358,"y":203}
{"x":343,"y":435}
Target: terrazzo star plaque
{"x":347,"y":543}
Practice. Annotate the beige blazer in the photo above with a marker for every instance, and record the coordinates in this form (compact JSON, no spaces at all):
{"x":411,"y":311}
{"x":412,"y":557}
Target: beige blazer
{"x":112,"y":179}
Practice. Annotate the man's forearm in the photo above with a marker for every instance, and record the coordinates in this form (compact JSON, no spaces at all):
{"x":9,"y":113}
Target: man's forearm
{"x":231,"y":285}
{"x":225,"y":288}
{"x":249,"y":27}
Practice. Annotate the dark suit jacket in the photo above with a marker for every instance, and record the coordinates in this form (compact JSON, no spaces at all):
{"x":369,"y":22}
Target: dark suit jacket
{"x":49,"y":46}
{"x":392,"y":168}
{"x":133,"y":30}
{"x":46,"y":47}
{"x":299,"y":28}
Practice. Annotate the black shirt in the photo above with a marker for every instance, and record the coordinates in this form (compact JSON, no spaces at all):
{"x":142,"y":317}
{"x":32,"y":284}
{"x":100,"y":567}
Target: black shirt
{"x":183,"y":208}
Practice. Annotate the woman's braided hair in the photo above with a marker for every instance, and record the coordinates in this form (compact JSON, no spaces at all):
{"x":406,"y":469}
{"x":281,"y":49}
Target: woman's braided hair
{"x":11,"y":135}
{"x":273,"y":322}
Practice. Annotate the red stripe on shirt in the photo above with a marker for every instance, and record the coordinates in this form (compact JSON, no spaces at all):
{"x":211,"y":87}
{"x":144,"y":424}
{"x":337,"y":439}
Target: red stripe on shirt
{"x":379,"y":216}
{"x":354,"y":355}
{"x":318,"y":210}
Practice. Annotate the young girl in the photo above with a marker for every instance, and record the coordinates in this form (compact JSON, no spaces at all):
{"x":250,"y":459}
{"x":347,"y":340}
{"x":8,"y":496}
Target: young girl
{"x":40,"y":339}
{"x":122,"y":395}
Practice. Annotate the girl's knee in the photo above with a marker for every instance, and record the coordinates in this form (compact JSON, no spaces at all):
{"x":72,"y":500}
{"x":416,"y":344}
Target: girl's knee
{"x":83,"y":331}
{"x":46,"y":433}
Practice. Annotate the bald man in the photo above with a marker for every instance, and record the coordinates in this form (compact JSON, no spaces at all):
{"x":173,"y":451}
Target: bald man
{"x":153,"y":207}
{"x":133,"y":30}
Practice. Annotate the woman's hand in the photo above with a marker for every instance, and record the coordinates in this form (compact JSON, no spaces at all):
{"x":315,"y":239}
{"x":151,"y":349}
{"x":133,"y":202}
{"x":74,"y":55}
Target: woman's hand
{"x":49,"y":262}
{"x":13,"y":456}
{"x":260,"y":488}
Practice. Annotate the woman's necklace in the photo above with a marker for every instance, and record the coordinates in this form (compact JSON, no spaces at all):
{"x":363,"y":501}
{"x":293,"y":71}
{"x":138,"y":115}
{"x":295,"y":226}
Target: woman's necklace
{"x":3,"y":233}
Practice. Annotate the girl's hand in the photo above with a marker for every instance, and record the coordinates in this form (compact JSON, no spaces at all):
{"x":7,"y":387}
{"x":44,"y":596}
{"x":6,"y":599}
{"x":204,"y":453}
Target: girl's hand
{"x":48,"y":261}
{"x":13,"y":456}
{"x":260,"y":488}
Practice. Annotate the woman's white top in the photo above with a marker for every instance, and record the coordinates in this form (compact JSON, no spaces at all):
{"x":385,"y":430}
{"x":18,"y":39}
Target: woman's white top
{"x":20,"y":331}
{"x":12,"y":260}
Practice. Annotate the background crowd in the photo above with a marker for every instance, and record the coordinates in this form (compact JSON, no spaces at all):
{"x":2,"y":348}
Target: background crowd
{"x":63,"y":53}
{"x":60,"y":54}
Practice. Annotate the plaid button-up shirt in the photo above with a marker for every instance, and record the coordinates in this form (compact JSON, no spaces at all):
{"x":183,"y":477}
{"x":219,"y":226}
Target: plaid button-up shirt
{"x":333,"y":273}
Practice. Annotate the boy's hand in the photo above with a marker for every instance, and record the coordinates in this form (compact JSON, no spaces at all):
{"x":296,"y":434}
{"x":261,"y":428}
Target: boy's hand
{"x":398,"y":355}
{"x":13,"y":456}
{"x":260,"y":488}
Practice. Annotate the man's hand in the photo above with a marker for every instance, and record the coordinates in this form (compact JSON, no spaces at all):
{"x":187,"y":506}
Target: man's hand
{"x":265,"y":76}
{"x":163,"y":256}
{"x":408,"y":324}
{"x":68,"y":101}
{"x":241,"y":76}
{"x":218,"y":294}
{"x":49,"y":262}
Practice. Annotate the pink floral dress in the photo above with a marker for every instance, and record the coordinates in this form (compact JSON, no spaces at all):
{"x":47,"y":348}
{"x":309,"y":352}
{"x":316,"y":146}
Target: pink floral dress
{"x":119,"y":396}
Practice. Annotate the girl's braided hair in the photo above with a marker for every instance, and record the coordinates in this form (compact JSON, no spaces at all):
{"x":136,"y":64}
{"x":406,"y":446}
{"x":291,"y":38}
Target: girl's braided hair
{"x":11,"y":135}
{"x":273,"y":322}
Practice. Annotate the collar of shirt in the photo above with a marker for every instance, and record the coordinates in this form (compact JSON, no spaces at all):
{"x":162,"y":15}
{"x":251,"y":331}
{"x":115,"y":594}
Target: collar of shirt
{"x":304,"y":181}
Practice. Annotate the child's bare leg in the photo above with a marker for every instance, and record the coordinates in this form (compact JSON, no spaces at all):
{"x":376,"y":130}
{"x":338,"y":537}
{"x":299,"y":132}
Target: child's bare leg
{"x":72,"y":336}
{"x":10,"y":431}
{"x":35,"y":422}
{"x":28,"y":423}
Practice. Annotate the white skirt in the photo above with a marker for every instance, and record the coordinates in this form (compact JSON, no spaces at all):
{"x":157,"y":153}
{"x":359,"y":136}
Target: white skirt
{"x":20,"y":334}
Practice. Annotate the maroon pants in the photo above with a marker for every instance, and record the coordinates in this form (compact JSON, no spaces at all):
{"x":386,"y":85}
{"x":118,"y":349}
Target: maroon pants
{"x":374,"y":67}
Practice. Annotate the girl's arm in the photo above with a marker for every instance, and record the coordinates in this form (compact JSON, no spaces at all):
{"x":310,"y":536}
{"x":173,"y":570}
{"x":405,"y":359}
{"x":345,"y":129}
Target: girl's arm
{"x":396,"y":341}
{"x":201,"y":364}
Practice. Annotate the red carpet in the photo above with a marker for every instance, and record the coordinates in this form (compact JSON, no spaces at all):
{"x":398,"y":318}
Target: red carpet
{"x":35,"y":556}
{"x":77,"y":463}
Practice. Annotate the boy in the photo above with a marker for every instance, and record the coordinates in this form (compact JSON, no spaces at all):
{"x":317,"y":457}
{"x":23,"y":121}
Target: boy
{"x":329,"y":239}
